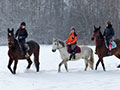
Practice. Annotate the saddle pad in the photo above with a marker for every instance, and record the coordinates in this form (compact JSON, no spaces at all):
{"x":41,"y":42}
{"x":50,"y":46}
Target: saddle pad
{"x":78,"y":50}
{"x":114,"y":45}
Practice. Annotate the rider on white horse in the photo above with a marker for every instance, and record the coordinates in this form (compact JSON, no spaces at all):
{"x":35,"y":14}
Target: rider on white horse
{"x":71,"y":43}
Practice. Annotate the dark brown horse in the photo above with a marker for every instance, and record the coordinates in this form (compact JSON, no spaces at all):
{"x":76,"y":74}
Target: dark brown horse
{"x":15,"y":52}
{"x":101,"y":49}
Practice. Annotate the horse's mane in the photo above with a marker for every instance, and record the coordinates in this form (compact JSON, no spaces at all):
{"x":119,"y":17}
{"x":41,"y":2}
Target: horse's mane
{"x":16,"y":43}
{"x":101,"y":34}
{"x":61,"y":42}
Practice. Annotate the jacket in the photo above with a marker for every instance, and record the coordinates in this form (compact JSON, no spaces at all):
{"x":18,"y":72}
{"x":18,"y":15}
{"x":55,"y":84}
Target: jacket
{"x":72,"y":39}
{"x":108,"y":32}
{"x":21,"y":34}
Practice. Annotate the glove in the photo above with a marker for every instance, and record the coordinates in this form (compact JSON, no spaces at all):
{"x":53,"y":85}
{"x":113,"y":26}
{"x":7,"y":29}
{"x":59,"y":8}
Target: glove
{"x":68,"y":43}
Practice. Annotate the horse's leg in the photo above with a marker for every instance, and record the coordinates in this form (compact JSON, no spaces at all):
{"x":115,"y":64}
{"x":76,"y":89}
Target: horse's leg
{"x":91,"y":65}
{"x":103,"y":64}
{"x":29,"y":63}
{"x":65,"y":64}
{"x":60,"y":65}
{"x":118,"y":56}
{"x":97,"y":64}
{"x":9,"y":64}
{"x":15,"y":66}
{"x":86,"y":64}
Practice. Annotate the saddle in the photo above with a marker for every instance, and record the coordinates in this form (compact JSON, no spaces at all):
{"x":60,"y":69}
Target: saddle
{"x":78,"y":49}
{"x":113,"y":44}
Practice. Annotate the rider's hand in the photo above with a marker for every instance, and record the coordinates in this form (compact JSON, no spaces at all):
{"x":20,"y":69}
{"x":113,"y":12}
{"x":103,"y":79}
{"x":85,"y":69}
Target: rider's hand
{"x":68,"y":44}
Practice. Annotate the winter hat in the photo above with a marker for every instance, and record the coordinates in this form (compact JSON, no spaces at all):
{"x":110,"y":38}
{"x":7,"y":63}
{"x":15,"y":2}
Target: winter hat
{"x":23,"y":23}
{"x":108,"y":22}
{"x":72,"y":28}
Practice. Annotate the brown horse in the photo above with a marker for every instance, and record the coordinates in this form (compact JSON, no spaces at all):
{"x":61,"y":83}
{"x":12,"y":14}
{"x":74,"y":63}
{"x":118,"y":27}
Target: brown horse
{"x":15,"y":53}
{"x":101,"y":49}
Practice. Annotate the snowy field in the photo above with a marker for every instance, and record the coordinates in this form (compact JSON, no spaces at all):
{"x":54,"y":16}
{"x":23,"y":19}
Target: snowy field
{"x":49,"y":79}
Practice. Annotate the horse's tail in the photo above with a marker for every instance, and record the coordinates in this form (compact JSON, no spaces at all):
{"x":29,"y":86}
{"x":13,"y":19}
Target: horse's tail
{"x":91,"y":64}
{"x":36,"y":58}
{"x":36,"y":48}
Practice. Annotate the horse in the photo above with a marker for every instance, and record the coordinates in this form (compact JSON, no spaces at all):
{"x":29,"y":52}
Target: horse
{"x":15,"y":52}
{"x":86,"y":54}
{"x":101,"y":49}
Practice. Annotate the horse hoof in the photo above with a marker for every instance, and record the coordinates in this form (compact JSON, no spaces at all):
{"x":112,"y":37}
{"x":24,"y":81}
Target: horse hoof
{"x":118,"y":66}
{"x":37,"y":71}
{"x":13,"y":73}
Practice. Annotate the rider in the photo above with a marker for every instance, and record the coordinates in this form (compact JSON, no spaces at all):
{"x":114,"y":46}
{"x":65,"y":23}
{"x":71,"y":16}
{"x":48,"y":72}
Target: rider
{"x":108,"y":34}
{"x":71,"y":42}
{"x":22,"y":34}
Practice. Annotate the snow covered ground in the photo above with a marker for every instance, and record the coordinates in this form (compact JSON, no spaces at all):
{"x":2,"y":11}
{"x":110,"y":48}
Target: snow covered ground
{"x":49,"y":79}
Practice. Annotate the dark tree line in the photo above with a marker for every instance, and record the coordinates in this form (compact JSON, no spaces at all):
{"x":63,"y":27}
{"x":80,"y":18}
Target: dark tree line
{"x":48,"y":19}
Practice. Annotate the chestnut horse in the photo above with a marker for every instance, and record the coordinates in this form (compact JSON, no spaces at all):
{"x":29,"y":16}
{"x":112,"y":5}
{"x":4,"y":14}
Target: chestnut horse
{"x":101,"y":47}
{"x":15,"y":52}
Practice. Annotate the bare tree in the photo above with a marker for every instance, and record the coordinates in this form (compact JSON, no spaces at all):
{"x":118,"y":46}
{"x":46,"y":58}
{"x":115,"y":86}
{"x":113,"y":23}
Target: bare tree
{"x":48,"y":19}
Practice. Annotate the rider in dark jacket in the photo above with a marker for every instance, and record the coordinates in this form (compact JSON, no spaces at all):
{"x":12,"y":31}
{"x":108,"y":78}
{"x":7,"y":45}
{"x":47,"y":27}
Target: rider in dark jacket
{"x":108,"y":34}
{"x":22,"y":34}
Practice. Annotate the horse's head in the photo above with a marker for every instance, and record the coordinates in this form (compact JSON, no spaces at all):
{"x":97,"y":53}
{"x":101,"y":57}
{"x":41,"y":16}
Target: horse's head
{"x":96,"y":33}
{"x":11,"y":37}
{"x":57,"y":44}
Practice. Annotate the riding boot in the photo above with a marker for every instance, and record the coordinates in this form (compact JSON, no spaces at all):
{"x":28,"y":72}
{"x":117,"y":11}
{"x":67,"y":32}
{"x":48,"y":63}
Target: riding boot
{"x":74,"y":52}
{"x":109,"y":51}
{"x":24,"y":52}
{"x":70,"y":57}
{"x":73,"y":55}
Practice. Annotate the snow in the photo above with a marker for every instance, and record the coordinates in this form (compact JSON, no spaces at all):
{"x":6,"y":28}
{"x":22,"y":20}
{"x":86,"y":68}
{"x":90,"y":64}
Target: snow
{"x":49,"y":79}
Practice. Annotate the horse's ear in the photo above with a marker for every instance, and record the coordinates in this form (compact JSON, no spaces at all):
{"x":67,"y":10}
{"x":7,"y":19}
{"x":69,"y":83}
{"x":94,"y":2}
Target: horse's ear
{"x":99,"y":27}
{"x":8,"y":30}
{"x":12,"y":30}
{"x":94,"y":27}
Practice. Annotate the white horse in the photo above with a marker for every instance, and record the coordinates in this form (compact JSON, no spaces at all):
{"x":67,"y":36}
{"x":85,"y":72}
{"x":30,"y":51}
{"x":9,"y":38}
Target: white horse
{"x":86,"y":54}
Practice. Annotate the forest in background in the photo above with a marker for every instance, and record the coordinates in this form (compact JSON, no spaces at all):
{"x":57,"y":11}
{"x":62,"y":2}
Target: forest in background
{"x":48,"y":19}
